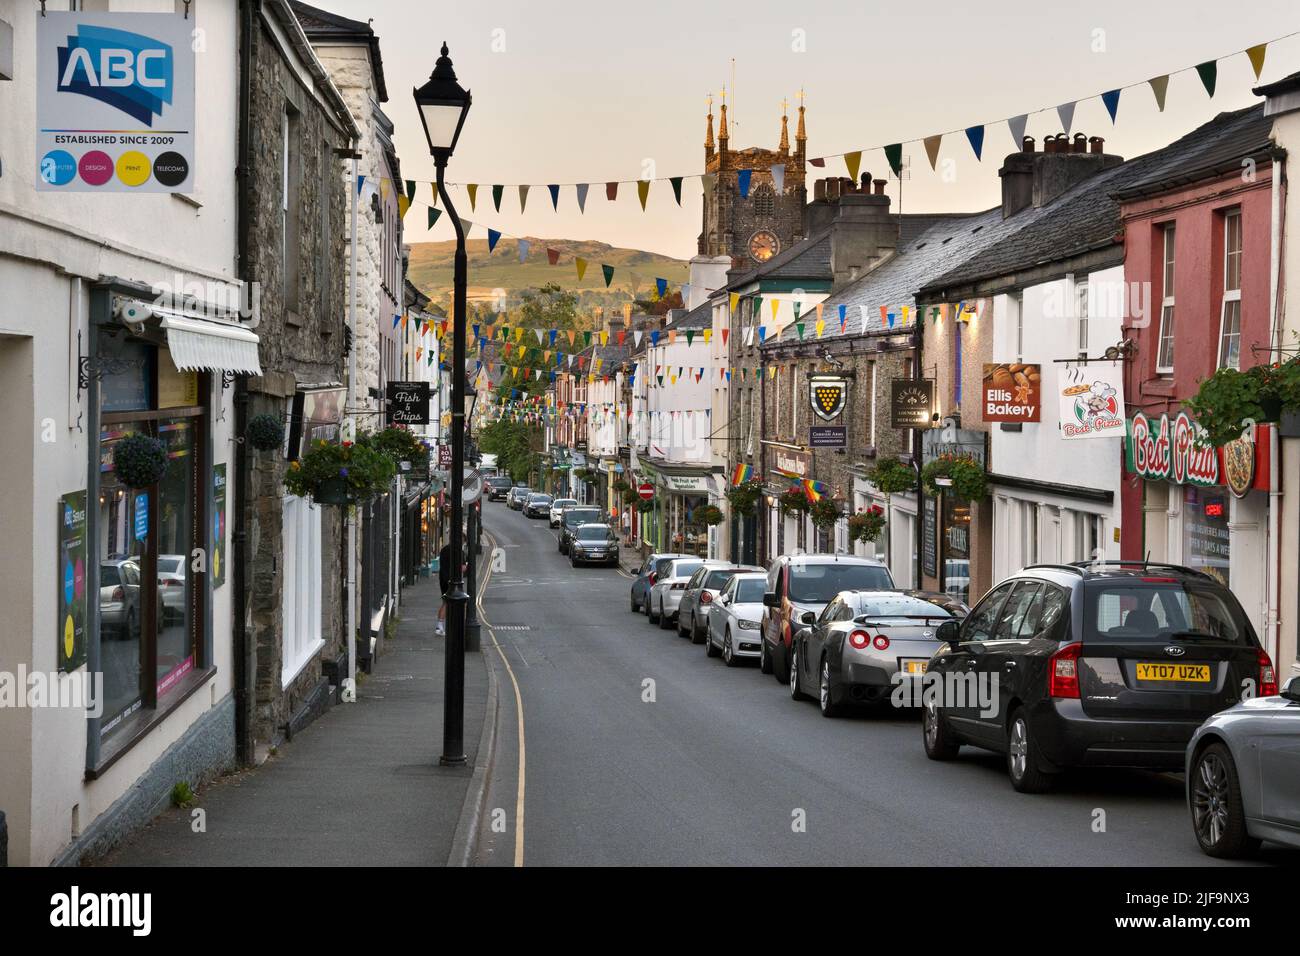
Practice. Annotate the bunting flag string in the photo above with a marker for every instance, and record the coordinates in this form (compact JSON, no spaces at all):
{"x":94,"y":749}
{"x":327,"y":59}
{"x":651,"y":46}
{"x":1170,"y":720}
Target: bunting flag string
{"x":1207,"y":72}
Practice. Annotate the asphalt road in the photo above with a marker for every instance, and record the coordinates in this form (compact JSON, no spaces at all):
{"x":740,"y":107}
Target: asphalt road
{"x":721,"y":767}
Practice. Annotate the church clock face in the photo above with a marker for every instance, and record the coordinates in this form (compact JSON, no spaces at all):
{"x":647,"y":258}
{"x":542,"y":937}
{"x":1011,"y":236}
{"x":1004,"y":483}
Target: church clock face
{"x":763,"y":245}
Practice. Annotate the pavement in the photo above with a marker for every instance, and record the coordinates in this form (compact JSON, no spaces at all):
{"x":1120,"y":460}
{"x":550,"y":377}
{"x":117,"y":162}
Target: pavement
{"x":622,"y":744}
{"x":361,"y":785}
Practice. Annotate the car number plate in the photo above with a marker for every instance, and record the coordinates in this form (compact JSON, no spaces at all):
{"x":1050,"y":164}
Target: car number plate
{"x":1196,"y":673}
{"x":915,"y":667}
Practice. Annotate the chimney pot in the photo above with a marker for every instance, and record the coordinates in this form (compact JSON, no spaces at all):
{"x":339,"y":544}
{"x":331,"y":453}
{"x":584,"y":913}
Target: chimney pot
{"x":1027,"y":144}
{"x":819,"y":190}
{"x":880,"y":186}
{"x":1098,"y":144}
{"x":1080,"y":143}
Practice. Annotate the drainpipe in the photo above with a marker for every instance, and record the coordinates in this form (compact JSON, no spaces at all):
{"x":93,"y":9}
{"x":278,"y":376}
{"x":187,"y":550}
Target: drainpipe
{"x":351,"y":425}
{"x":243,"y":650}
{"x":1272,"y":622}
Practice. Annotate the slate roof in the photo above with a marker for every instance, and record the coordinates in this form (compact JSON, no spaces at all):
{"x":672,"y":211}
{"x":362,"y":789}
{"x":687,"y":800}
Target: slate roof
{"x":320,"y":24}
{"x":700,"y":317}
{"x":1087,"y":216}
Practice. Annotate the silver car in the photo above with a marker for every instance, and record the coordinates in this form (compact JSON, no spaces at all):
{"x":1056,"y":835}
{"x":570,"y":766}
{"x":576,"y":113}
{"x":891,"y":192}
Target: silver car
{"x":701,"y":589}
{"x":670,"y":583}
{"x":732,"y":629}
{"x":862,"y":646}
{"x":1243,"y":775}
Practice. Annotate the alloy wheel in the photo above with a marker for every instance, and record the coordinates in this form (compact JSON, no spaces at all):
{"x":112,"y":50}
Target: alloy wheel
{"x":931,"y":722}
{"x":794,"y":672}
{"x":728,"y":655}
{"x":1019,"y":747}
{"x":1210,"y":799}
{"x":824,"y":691}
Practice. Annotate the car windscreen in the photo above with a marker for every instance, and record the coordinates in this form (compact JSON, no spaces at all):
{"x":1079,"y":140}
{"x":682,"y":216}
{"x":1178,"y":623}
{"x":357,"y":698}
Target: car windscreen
{"x":819,"y":583}
{"x":108,"y":576}
{"x":898,"y":605}
{"x":716,"y":579}
{"x":750,"y":590}
{"x":577,"y":516}
{"x":170,"y":565}
{"x":499,"y":482}
{"x":594,"y":532}
{"x":684,"y":569}
{"x":564,"y":502}
{"x":1161,"y":610}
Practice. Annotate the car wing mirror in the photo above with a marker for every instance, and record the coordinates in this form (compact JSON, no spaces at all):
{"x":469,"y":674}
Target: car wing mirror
{"x":809,"y":618}
{"x":948,"y":632}
{"x":770,"y":599}
{"x":1291,"y":689}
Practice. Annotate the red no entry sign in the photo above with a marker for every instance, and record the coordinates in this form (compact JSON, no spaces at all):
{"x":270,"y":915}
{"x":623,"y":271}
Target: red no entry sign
{"x":646,"y":490}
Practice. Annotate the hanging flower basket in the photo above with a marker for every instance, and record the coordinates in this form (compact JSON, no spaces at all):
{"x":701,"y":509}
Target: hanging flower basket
{"x":340,"y":472}
{"x":1229,"y":401}
{"x":139,"y":460}
{"x":265,"y":432}
{"x":401,"y":445}
{"x":794,"y":501}
{"x":630,"y":497}
{"x":868,"y":524}
{"x":824,"y":513}
{"x":744,"y":496}
{"x":960,"y":476}
{"x":643,"y":505}
{"x":891,"y":476}
{"x":621,"y":486}
{"x":708,"y":514}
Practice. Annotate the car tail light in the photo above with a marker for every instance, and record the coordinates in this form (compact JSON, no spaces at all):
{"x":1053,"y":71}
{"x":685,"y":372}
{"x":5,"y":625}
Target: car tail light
{"x":118,"y":594}
{"x":859,"y":639}
{"x":170,"y":583}
{"x":880,"y":642}
{"x":1267,"y":676}
{"x":706,"y":597}
{"x":1063,"y":672}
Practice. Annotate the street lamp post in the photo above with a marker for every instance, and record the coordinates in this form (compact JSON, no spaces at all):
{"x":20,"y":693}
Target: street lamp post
{"x":443,"y":105}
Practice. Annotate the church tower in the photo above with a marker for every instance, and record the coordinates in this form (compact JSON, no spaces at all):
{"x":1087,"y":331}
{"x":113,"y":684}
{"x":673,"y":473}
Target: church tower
{"x":768,"y":218}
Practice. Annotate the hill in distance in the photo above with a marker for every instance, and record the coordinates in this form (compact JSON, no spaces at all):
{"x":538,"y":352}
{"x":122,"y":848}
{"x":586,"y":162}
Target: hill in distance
{"x":635,"y":271}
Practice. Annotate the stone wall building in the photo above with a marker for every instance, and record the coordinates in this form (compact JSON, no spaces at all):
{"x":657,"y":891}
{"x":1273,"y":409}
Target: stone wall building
{"x":295,"y":231}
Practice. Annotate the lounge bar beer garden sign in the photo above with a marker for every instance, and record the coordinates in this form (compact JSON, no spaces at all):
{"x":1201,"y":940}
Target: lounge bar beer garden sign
{"x":911,"y":403}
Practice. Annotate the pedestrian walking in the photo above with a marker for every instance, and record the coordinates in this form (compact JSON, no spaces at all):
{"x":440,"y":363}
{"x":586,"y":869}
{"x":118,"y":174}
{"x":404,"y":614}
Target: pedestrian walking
{"x":444,"y":584}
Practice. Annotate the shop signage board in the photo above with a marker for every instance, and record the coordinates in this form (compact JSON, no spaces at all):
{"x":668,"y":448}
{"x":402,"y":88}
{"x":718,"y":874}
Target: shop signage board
{"x":929,"y":536}
{"x":827,"y":436}
{"x":317,"y":413}
{"x":1092,"y":402}
{"x":1012,"y":393}
{"x":218,"y":563}
{"x":444,"y":456}
{"x":950,"y":440}
{"x":789,"y":462}
{"x":911,"y":402}
{"x":408,"y":403}
{"x":1167,"y":449}
{"x":828,"y":395}
{"x":114,"y":102}
{"x":71,"y":618}
{"x":685,"y":483}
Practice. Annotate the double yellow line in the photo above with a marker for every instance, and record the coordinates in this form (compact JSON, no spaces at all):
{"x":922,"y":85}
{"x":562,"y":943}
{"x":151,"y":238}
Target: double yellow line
{"x":519,"y":705}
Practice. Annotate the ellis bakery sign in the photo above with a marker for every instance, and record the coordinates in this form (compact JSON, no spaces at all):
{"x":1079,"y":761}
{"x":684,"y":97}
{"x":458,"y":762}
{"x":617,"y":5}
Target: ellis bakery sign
{"x":1011,"y":393}
{"x":1167,"y":449}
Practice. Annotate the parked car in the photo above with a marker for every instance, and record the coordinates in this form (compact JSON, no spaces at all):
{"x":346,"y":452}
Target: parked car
{"x":498,"y":487}
{"x":171,"y":584}
{"x":861,"y":646}
{"x":1243,"y":775}
{"x":571,"y":519}
{"x":645,"y":577}
{"x":799,"y":583}
{"x":537,"y":505}
{"x":1113,"y":664}
{"x":701,"y":590}
{"x":516,"y":497}
{"x":121,"y":609}
{"x":594,"y":544}
{"x":732,"y":629}
{"x":557,"y":508}
{"x":671,"y":576}
{"x":955,"y":607}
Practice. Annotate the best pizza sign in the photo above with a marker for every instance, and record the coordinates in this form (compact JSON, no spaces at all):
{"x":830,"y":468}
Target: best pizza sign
{"x":1171,"y":449}
{"x":1094,"y":406}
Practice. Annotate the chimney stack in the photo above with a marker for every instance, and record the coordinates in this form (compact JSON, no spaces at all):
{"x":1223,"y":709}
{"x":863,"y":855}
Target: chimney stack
{"x":1035,"y":179}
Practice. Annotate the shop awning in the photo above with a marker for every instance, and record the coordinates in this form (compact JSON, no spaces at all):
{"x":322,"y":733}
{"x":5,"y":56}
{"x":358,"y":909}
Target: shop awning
{"x":205,"y":344}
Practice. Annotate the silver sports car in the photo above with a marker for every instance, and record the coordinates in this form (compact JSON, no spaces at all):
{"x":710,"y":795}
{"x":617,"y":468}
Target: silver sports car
{"x":1243,"y":775}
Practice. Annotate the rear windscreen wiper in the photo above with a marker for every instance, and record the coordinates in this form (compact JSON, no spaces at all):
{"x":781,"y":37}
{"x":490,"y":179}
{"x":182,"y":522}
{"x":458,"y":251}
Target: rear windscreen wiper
{"x":1200,"y":636}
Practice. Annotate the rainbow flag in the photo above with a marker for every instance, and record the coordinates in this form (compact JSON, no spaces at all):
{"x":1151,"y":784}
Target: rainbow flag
{"x":814,"y":490}
{"x":742,"y":474}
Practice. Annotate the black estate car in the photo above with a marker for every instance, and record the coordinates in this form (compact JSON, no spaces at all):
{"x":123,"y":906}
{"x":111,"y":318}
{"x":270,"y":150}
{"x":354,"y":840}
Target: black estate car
{"x":1110,"y":664}
{"x":572,"y":518}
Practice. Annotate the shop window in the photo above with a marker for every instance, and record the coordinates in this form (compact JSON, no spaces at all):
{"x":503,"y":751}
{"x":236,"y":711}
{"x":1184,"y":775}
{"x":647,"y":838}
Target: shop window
{"x":956,"y":552}
{"x":1206,"y":539}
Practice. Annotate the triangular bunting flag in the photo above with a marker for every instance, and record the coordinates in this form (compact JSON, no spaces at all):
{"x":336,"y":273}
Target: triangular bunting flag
{"x":852,"y":161}
{"x":1066,"y":113}
{"x":975,"y":134}
{"x":932,"y":148}
{"x":523,"y":197}
{"x":734,"y":300}
{"x":661,"y":286}
{"x":472,"y":189}
{"x":611,"y":191}
{"x":894,"y":153}
{"x":581,"y":190}
{"x":497,"y":193}
{"x":1111,"y":99}
{"x":1159,"y":85}
{"x":555,"y":196}
{"x":433,"y":216}
{"x":707,"y":181}
{"x":361,"y":181}
{"x":742,"y":181}
{"x":642,"y":191}
{"x":523,"y":249}
{"x":410,"y":190}
{"x":582,"y":267}
{"x":1017,"y":127}
{"x":552,"y":255}
{"x":609,"y":274}
{"x":1256,"y":55}
{"x":493,"y":237}
{"x":1208,"y":73}
{"x":677,"y":188}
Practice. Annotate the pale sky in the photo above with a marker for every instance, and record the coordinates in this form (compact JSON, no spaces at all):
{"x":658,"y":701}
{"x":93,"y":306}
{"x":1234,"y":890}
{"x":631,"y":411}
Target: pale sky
{"x":587,"y":91}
